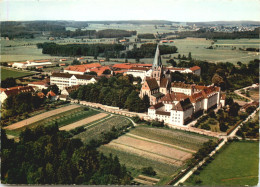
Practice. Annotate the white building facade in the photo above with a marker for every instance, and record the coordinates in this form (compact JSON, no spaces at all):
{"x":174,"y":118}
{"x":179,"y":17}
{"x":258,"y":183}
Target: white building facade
{"x":63,"y":80}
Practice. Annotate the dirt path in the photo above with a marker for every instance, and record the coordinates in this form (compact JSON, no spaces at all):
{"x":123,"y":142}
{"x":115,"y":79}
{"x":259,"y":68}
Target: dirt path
{"x":162,"y":143}
{"x":83,"y":122}
{"x":39,"y":117}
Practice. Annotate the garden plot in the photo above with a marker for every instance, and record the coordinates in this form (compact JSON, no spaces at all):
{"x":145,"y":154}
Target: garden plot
{"x":83,"y":122}
{"x":94,"y":131}
{"x":40,"y":117}
{"x":151,"y":150}
{"x":185,"y":140}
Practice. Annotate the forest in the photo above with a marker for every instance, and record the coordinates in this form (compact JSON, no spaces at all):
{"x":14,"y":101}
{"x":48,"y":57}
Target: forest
{"x":116,"y":91}
{"x":45,"y":156}
{"x":80,"y":49}
{"x":203,"y":33}
{"x":148,"y":50}
{"x":104,"y":50}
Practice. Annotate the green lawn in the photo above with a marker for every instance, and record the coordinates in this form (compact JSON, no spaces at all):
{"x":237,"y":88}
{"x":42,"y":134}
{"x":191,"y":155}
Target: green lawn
{"x":5,"y":73}
{"x":235,"y":165}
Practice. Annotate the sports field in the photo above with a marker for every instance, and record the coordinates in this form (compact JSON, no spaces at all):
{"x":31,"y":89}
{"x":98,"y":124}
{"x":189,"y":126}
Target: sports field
{"x":8,"y":72}
{"x":235,"y":165}
{"x":165,"y":150}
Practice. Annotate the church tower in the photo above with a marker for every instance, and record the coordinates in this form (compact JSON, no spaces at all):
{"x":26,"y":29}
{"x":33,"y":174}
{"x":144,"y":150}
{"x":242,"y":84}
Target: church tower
{"x":157,"y":66}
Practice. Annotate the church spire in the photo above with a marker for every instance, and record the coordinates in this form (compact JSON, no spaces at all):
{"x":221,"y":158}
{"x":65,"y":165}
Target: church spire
{"x":157,"y":62}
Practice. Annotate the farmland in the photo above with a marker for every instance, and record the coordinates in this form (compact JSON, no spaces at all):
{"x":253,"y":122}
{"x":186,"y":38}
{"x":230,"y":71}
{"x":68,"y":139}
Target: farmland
{"x":63,"y":117}
{"x":165,"y":150}
{"x":235,"y":165}
{"x":6,"y":73}
{"x":222,"y":49}
{"x":96,"y":129}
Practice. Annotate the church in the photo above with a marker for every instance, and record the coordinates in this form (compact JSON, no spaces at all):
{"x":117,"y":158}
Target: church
{"x":176,"y":103}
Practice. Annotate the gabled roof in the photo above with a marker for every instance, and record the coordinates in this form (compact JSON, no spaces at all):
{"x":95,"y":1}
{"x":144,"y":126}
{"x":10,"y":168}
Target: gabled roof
{"x":156,"y":106}
{"x":100,"y":70}
{"x":209,"y":90}
{"x":152,"y":84}
{"x":51,"y":93}
{"x":194,"y":68}
{"x":83,"y":67}
{"x":183,"y":105}
{"x":196,"y":97}
{"x":173,"y":97}
{"x":71,"y":88}
{"x":17,"y":90}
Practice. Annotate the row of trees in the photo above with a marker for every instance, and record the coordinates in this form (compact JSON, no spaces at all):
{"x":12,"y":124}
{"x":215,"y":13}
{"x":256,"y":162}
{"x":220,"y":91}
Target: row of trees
{"x":107,"y":33}
{"x":148,"y":50}
{"x":116,"y":91}
{"x":45,"y":156}
{"x":80,"y":49}
{"x":202,"y":33}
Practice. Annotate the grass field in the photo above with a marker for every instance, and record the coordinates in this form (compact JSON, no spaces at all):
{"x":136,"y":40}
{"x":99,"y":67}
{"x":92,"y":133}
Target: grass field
{"x":5,"y":73}
{"x":235,"y":165}
{"x":222,"y":53}
{"x":25,"y":49}
{"x":166,"y":150}
{"x":236,"y":97}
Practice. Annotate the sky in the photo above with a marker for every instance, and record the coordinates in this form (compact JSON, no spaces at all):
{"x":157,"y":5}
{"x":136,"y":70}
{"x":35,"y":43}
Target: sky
{"x":97,"y":10}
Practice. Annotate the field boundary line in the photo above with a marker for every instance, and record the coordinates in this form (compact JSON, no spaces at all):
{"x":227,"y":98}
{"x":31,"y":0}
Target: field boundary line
{"x":77,"y":123}
{"x":98,"y":121}
{"x":24,"y":123}
{"x":147,"y":151}
{"x":161,"y":143}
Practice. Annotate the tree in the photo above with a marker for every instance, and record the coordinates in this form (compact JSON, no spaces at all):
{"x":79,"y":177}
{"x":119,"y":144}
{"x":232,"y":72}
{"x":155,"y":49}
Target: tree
{"x":75,"y":62}
{"x":233,"y":109}
{"x":148,"y":171}
{"x":189,"y":56}
{"x":146,"y":101}
{"x":223,"y":127}
{"x":172,"y":62}
{"x":8,"y":82}
{"x":107,"y":72}
{"x":217,"y":80}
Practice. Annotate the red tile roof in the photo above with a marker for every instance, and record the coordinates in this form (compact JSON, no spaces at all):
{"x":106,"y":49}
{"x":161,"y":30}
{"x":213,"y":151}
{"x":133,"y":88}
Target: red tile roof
{"x":51,"y":93}
{"x":17,"y":90}
{"x":196,"y":97}
{"x":83,"y":67}
{"x":194,"y":68}
{"x":100,"y":70}
{"x":173,"y":97}
{"x":123,"y":66}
